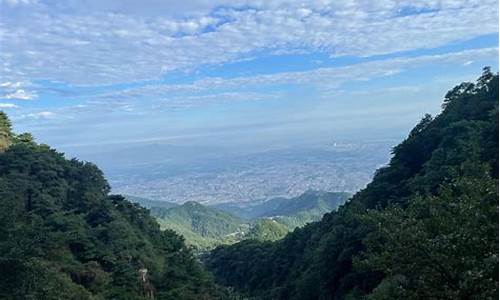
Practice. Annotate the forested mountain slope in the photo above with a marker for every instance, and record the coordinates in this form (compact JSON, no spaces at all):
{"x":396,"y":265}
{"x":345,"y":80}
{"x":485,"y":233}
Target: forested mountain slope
{"x":317,"y":202}
{"x":267,"y":230}
{"x":203,"y":227}
{"x":426,"y":227}
{"x":62,"y":236}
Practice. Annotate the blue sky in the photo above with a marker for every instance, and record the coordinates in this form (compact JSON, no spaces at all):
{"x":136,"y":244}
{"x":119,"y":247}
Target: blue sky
{"x":238,"y":73}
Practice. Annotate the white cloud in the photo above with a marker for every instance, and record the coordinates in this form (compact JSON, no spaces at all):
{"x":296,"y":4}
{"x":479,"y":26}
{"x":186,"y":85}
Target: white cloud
{"x":112,"y":41}
{"x":9,"y":84}
{"x":325,"y":79}
{"x":188,"y":101}
{"x":8,"y":105}
{"x":40,"y":115}
{"x":328,"y":82}
{"x":17,"y":2}
{"x":20,"y":94}
{"x":17,"y":90}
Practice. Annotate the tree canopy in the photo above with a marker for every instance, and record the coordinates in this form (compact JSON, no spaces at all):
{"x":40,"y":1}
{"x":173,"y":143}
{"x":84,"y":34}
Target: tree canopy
{"x":426,"y":227}
{"x":63,"y":236}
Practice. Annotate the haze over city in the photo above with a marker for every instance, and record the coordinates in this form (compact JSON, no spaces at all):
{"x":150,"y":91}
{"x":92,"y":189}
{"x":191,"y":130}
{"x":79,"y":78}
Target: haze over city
{"x":220,"y":80}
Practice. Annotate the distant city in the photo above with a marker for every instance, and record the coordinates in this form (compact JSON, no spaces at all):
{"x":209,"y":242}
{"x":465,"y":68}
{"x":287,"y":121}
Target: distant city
{"x":212,"y":177}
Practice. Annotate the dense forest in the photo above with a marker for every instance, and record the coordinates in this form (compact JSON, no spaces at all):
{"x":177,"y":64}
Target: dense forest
{"x":206,"y":226}
{"x":62,"y":236}
{"x":426,"y":227}
{"x":296,"y":211}
{"x":202,"y":226}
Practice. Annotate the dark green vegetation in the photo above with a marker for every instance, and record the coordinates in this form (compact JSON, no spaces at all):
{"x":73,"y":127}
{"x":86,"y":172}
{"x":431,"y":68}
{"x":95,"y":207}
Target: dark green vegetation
{"x":426,"y":227}
{"x":63,"y":237}
{"x":318,"y":203}
{"x":5,"y":132}
{"x":306,"y":208}
{"x":205,"y":227}
{"x":267,"y":230}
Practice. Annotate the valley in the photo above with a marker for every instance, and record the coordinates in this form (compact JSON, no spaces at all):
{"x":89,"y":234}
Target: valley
{"x":205,"y":227}
{"x":249,"y":150}
{"x":425,"y":227}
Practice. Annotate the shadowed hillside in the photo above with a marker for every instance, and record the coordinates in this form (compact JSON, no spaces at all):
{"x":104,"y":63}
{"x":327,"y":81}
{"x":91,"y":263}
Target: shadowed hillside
{"x":205,"y":227}
{"x":426,"y":227}
{"x":62,"y":236}
{"x":202,"y":226}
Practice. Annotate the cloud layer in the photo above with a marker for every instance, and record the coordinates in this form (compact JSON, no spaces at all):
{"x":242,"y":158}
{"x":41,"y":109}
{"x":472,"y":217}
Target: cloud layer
{"x":103,"y":42}
{"x":324,"y":79}
{"x":180,"y":68}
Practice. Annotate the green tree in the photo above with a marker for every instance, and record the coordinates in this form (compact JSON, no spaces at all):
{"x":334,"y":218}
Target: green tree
{"x":426,"y":227}
{"x":439,"y":247}
{"x":62,"y":236}
{"x":5,"y":131}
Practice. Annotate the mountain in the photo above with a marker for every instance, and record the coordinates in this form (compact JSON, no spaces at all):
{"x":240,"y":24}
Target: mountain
{"x":149,"y":203}
{"x":206,"y":227}
{"x":293,"y":212}
{"x":426,"y":227}
{"x":310,"y":201}
{"x":63,"y":236}
{"x":202,"y":226}
{"x":267,"y":230}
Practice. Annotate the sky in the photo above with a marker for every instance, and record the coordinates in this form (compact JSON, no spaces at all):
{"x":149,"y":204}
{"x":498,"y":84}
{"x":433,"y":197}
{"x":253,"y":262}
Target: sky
{"x":250,"y":74}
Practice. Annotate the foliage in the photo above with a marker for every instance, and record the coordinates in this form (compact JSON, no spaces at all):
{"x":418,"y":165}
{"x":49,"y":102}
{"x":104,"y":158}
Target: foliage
{"x":439,"y":247}
{"x":205,"y":227}
{"x":5,"y":131}
{"x":267,"y":230}
{"x":426,"y":227}
{"x":202,"y":226}
{"x":63,"y":237}
{"x":314,"y":203}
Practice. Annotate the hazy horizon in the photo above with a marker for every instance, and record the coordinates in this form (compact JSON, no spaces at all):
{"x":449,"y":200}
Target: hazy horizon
{"x":225,"y":79}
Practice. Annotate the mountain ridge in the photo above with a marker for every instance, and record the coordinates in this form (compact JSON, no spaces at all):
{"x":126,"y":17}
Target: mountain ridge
{"x":206,"y":226}
{"x":426,"y":227}
{"x":282,"y":206}
{"x":64,"y":236}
